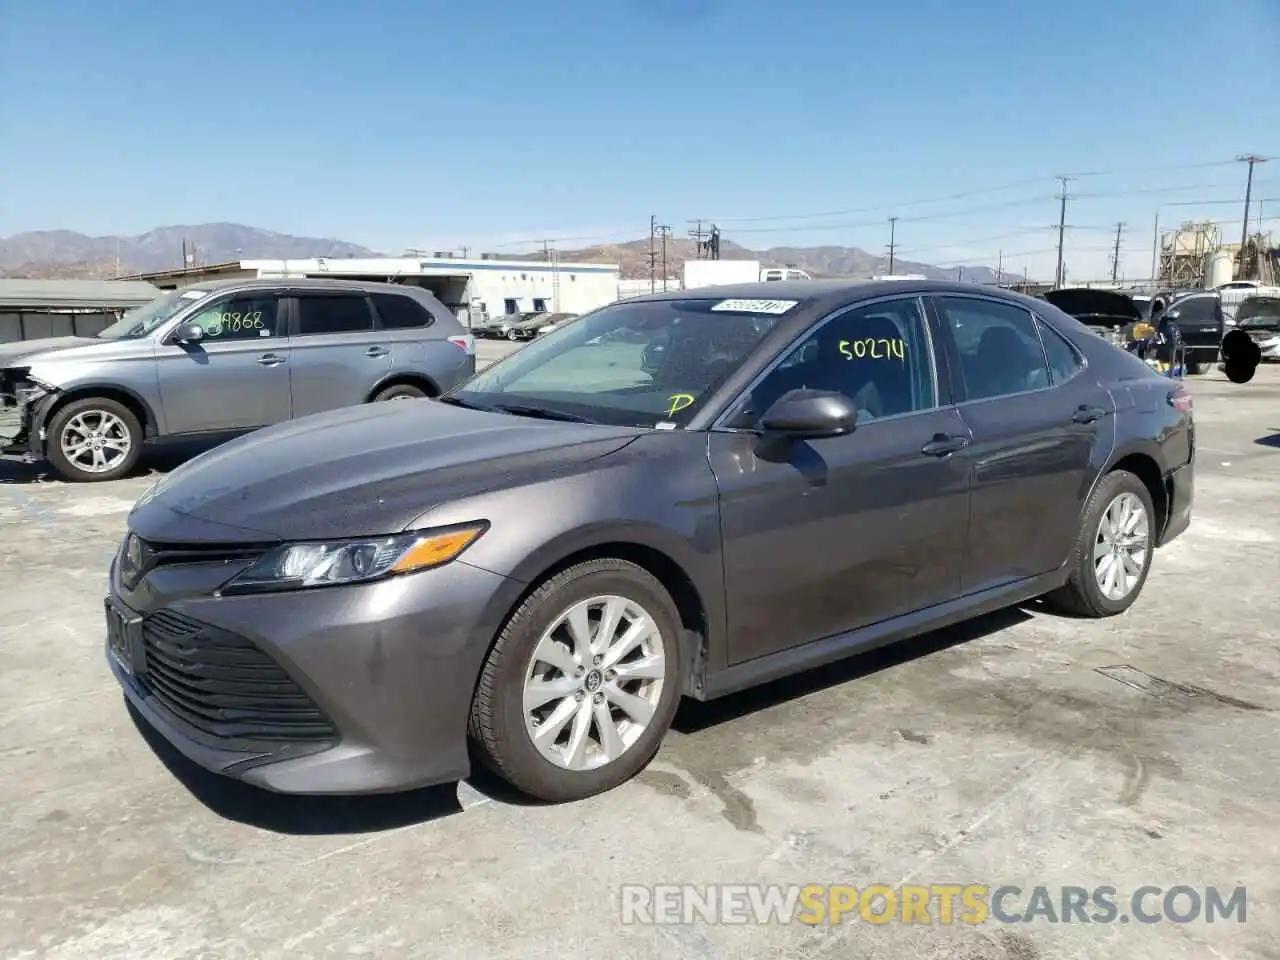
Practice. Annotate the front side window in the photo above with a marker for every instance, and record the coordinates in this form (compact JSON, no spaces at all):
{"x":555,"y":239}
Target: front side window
{"x":630,"y":363}
{"x":1000,"y":351}
{"x":877,"y":355}
{"x":248,"y":317}
{"x":320,"y":315}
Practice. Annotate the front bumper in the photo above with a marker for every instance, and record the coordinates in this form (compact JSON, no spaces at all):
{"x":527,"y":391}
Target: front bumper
{"x":22,"y":422}
{"x":360,"y":689}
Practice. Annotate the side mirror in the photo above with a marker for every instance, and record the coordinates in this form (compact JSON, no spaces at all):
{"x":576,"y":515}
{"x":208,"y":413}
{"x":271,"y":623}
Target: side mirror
{"x":189,"y":333}
{"x":810,"y":415}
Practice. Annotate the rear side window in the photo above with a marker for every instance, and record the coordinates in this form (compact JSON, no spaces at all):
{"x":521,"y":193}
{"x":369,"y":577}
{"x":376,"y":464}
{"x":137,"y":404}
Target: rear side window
{"x":1000,"y":352}
{"x":342,"y":313}
{"x":1064,"y":363}
{"x":397,"y":312}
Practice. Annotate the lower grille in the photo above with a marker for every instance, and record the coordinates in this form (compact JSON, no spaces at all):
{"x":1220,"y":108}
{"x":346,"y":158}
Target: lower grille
{"x":224,"y":686}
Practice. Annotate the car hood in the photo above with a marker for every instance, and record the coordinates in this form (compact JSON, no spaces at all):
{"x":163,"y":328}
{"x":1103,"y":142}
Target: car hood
{"x":360,"y":471}
{"x":1094,"y":307}
{"x":22,"y":351}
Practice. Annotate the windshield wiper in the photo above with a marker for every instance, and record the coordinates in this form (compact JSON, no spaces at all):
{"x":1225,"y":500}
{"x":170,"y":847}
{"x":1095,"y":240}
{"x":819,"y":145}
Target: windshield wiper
{"x":542,"y":413}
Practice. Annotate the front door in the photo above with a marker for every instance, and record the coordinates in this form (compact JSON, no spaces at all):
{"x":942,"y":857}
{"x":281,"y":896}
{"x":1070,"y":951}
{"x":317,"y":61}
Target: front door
{"x":236,"y":377}
{"x":337,"y":359}
{"x":1041,"y":433}
{"x":846,"y":531}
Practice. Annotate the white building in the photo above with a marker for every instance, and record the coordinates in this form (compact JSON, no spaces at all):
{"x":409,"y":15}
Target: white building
{"x":477,"y":290}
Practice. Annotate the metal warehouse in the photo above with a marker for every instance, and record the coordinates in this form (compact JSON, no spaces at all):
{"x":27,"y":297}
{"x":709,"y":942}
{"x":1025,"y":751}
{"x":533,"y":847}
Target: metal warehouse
{"x":475,"y":289}
{"x":34,"y":309}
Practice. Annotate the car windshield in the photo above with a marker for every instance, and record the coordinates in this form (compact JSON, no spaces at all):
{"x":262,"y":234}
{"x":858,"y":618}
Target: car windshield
{"x":631,"y":363}
{"x":140,"y":321}
{"x":1260,"y":314}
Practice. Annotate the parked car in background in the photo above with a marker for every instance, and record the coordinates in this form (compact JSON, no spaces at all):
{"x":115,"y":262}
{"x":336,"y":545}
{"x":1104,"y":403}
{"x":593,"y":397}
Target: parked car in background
{"x":225,"y":358}
{"x":554,"y":322}
{"x":1108,"y":313}
{"x":536,"y":568}
{"x":523,"y":326}
{"x":1199,"y":318}
{"x":1259,"y":317}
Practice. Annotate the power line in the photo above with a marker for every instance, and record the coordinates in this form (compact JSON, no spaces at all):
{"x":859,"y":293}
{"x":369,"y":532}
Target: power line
{"x":852,"y":225}
{"x":966,"y":194}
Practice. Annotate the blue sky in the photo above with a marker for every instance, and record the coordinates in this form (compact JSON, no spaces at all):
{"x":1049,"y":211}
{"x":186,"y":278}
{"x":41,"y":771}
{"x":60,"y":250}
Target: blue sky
{"x":485,"y":123}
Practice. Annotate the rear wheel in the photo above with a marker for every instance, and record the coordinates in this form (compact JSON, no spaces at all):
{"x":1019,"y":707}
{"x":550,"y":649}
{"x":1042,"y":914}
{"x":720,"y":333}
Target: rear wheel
{"x":399,"y":391}
{"x":582,"y":683}
{"x":1194,"y":367}
{"x":513,"y":336}
{"x":1113,"y":551}
{"x":94,"y":439}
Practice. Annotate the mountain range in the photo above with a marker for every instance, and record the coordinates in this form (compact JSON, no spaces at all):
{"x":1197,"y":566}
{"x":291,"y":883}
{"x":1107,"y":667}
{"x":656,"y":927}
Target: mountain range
{"x":64,"y":254}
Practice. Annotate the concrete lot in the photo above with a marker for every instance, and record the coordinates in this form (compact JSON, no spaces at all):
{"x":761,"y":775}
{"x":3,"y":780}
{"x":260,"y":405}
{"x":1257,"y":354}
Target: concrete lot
{"x":996,"y":754}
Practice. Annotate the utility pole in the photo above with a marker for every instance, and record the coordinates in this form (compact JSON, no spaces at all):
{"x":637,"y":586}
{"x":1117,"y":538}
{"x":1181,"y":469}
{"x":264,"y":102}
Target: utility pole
{"x":893,"y":241}
{"x":653,"y":255}
{"x":1000,"y":269}
{"x":546,"y":251}
{"x":1250,"y":159}
{"x":959,"y":274}
{"x":1115,"y":258}
{"x":699,"y":243}
{"x":1155,"y":249}
{"x":665,"y":231}
{"x":1060,"y":277}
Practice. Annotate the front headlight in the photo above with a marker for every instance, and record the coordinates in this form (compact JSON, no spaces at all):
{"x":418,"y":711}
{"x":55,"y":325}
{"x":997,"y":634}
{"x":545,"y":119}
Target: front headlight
{"x":297,"y":566}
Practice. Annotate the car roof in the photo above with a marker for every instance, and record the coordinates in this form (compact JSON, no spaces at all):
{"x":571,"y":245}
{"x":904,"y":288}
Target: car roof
{"x":813,"y":292}
{"x":318,"y":284}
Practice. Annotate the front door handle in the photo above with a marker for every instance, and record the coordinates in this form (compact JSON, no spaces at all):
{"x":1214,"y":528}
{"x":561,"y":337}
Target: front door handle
{"x":943,"y":445}
{"x":270,"y":360}
{"x":1088,"y":414}
{"x":376,"y":352}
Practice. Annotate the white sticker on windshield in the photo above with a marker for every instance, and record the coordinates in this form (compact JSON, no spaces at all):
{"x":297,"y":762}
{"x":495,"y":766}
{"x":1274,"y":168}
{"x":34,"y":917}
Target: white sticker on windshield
{"x":193,"y":295}
{"x":756,"y":306}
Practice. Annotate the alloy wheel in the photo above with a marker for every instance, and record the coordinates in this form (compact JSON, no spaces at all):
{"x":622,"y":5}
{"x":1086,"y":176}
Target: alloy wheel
{"x":1121,"y":546}
{"x":95,"y":441}
{"x":594,"y":682}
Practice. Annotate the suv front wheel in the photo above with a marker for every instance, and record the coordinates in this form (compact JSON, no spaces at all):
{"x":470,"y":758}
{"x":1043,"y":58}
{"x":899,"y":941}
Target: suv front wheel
{"x":94,"y":439}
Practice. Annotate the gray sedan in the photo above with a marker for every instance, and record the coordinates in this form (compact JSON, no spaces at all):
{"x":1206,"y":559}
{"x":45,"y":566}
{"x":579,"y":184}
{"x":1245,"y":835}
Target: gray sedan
{"x":680,"y":495}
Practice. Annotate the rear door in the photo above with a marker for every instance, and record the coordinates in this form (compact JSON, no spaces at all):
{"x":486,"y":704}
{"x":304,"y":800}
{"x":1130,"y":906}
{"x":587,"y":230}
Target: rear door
{"x":237,"y":376}
{"x":1199,"y":319}
{"x":1042,"y":426}
{"x":336,"y":358}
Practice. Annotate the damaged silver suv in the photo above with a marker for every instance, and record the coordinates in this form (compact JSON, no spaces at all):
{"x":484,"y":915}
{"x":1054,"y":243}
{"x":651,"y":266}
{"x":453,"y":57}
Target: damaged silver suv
{"x":221,"y":359}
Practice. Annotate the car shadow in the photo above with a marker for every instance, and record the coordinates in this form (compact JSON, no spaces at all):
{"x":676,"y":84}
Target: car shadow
{"x":1270,"y":440}
{"x":694,"y":716}
{"x":339,"y":815}
{"x":155,"y":460}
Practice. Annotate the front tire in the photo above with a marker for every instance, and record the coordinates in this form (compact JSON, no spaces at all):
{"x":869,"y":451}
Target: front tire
{"x":513,"y":336}
{"x":582,"y":683}
{"x":94,"y":440}
{"x":399,"y":391}
{"x":1112,"y":555}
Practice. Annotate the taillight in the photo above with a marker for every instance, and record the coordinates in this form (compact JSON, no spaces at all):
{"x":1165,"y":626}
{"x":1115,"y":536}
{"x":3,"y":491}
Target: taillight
{"x":1180,"y":399}
{"x":467,"y":344}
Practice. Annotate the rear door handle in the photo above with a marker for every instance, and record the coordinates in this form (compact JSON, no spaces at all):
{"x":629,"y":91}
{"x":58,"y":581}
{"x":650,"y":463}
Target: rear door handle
{"x":942,"y":445}
{"x":1088,"y":414}
{"x":376,"y":352}
{"x":270,"y":360}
